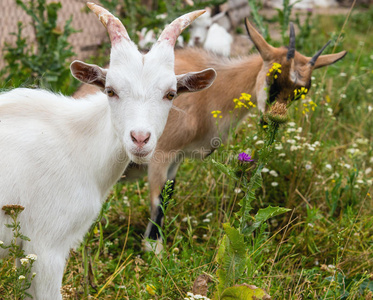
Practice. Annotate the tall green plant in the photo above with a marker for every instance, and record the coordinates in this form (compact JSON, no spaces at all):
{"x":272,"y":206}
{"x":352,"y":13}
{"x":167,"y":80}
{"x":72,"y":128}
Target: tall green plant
{"x":238,"y":245}
{"x":255,"y":6}
{"x":45,"y":61}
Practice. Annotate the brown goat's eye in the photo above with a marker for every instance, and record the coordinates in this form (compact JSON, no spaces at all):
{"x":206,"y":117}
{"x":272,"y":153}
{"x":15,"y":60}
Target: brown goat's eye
{"x":170,"y":95}
{"x":110,"y":92}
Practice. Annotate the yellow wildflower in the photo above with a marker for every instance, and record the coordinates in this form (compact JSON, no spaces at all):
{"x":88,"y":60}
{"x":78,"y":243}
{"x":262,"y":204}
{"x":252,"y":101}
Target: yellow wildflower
{"x":216,"y":113}
{"x":150,"y":289}
{"x":275,"y":69}
{"x":243,"y":101}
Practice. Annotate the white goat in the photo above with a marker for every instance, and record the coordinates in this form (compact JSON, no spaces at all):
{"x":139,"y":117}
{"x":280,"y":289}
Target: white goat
{"x":218,"y":40}
{"x":60,"y":156}
{"x":198,"y":31}
{"x":211,"y":36}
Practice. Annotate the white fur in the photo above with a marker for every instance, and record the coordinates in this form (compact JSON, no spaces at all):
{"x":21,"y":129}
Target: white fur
{"x":55,"y":164}
{"x":218,"y":40}
{"x":212,"y":36}
{"x":60,"y":156}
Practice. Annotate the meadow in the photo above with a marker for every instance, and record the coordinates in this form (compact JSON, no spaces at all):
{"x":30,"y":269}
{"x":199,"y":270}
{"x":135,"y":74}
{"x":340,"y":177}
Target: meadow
{"x":320,"y":167}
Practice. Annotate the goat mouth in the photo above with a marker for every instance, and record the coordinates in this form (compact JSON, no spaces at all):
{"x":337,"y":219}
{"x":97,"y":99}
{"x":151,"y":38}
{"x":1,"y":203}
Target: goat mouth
{"x":141,"y":154}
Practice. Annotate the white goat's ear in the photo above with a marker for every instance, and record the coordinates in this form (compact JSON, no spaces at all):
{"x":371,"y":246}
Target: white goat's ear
{"x":90,"y":74}
{"x":195,"y":81}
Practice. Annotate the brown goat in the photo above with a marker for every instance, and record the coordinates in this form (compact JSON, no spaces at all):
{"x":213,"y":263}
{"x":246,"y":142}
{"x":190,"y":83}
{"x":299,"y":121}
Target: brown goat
{"x":191,"y":130}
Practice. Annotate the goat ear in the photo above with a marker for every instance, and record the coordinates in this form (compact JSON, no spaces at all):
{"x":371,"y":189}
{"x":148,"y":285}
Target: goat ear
{"x":195,"y":81}
{"x":325,"y":60}
{"x":90,"y":74}
{"x":265,"y":49}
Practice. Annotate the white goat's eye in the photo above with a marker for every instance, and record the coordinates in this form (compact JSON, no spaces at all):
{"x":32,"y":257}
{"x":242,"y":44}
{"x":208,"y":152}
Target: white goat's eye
{"x":170,"y":95}
{"x":110,"y":92}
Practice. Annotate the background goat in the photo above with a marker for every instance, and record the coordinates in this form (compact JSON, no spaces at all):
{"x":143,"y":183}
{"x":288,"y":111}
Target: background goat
{"x":60,"y":156}
{"x":211,"y":36}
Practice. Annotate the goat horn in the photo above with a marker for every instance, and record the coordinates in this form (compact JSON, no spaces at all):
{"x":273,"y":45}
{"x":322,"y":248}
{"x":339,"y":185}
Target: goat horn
{"x":291,"y":51}
{"x":114,"y":27}
{"x":172,"y":31}
{"x":316,"y":56}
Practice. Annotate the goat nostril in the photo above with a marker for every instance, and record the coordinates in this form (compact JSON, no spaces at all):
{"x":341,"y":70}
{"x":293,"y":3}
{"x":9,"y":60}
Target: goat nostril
{"x":132,"y":137}
{"x":147,"y":139}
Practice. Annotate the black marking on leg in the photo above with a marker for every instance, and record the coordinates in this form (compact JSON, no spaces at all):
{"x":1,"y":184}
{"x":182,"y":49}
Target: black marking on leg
{"x":209,"y":152}
{"x":154,"y":231}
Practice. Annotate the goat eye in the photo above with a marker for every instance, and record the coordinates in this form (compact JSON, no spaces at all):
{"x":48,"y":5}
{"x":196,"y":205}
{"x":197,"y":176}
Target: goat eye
{"x":170,"y":95}
{"x":110,"y":92}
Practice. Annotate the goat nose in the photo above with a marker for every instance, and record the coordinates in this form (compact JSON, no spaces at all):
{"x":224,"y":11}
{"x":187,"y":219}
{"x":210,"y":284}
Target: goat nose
{"x":196,"y":40}
{"x":140,"y":138}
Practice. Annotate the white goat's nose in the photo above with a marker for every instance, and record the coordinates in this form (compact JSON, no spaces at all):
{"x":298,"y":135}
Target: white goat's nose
{"x":140,"y":138}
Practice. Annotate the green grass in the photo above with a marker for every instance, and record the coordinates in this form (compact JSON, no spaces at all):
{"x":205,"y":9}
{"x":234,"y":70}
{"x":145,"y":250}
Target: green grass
{"x":322,"y":249}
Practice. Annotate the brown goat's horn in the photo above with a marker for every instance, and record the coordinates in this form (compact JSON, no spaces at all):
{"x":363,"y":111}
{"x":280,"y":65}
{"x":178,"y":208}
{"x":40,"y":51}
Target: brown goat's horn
{"x":316,"y":56}
{"x":114,"y":27}
{"x":172,"y":31}
{"x":266,"y":50}
{"x":291,"y":51}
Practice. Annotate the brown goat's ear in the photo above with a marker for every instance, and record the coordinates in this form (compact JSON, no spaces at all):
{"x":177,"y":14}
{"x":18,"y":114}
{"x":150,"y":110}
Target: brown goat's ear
{"x":195,"y":81}
{"x":325,"y":60}
{"x":90,"y":74}
{"x":266,"y":50}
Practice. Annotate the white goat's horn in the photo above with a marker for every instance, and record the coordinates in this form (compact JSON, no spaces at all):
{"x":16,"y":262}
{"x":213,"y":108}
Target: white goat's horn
{"x":114,"y":27}
{"x":172,"y":31}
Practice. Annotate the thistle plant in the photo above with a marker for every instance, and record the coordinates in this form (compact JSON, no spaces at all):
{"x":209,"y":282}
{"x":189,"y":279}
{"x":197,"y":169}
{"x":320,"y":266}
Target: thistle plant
{"x":238,"y":248}
{"x":16,"y":270}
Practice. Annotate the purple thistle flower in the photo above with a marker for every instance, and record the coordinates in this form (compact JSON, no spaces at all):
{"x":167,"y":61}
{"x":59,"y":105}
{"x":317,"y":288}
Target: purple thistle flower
{"x":244,"y":157}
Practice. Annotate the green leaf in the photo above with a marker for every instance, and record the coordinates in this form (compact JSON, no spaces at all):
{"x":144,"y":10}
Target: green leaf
{"x":263,"y":215}
{"x":231,"y":257}
{"x":244,"y":292}
{"x":25,"y":238}
{"x":226,"y":170}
